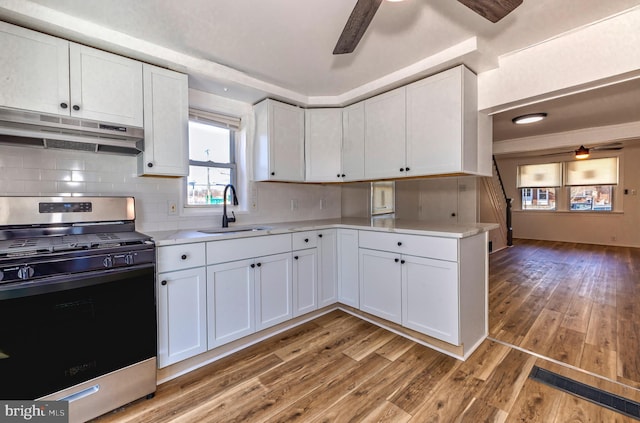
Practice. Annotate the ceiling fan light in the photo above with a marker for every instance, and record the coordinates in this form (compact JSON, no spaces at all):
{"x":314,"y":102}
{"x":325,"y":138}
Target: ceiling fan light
{"x":582,"y":152}
{"x":530,"y":118}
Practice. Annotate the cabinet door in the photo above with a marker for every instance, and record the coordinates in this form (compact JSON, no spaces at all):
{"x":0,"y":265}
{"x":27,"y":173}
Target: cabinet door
{"x":274,"y":299}
{"x":348,"y":291}
{"x":353,"y":142}
{"x":166,"y":123}
{"x":323,"y":145}
{"x":182,"y":315}
{"x":305,"y":281}
{"x":35,"y":71}
{"x":434,"y":124}
{"x":430,"y":297}
{"x":286,"y":138}
{"x":104,"y":86}
{"x":230,"y":301}
{"x":328,"y":271}
{"x":384,"y":151}
{"x":380,"y":284}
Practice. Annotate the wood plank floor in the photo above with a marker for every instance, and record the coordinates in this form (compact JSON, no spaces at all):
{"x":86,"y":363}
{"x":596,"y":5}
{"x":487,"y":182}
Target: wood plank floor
{"x":339,"y":368}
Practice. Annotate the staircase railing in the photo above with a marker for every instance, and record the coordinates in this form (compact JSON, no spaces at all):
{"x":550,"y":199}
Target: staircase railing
{"x":508,"y":201}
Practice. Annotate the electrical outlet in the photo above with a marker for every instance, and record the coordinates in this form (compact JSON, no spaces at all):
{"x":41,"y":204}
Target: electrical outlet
{"x":254,"y":198}
{"x":172,"y":208}
{"x":294,"y":204}
{"x":323,"y":204}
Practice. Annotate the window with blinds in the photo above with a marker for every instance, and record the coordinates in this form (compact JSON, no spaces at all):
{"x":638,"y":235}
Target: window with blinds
{"x":212,"y":161}
{"x":592,"y":172}
{"x":544,"y":175}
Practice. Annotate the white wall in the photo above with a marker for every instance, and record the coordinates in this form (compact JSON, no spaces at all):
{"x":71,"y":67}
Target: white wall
{"x":619,"y":228}
{"x":34,"y":171}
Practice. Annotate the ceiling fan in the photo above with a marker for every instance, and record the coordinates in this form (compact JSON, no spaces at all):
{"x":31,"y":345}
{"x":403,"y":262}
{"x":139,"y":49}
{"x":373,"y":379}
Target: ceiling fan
{"x":583,"y":152}
{"x":364,"y":11}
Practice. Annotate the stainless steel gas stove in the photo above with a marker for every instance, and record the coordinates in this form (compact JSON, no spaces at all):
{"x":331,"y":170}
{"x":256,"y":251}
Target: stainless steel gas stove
{"x":77,"y":302}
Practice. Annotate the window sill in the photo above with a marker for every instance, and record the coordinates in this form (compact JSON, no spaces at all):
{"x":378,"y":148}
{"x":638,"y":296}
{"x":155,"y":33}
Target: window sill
{"x":575,"y":212}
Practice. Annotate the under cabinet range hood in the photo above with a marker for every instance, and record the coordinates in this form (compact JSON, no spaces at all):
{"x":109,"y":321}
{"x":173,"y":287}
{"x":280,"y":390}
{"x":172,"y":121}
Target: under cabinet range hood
{"x":32,"y":129}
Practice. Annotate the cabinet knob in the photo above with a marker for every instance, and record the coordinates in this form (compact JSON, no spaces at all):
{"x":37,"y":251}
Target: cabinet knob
{"x":402,"y":169}
{"x":306,"y":240}
{"x":407,"y":169}
{"x":295,"y":257}
{"x":453,"y":215}
{"x":396,"y":260}
{"x":76,"y":107}
{"x":149,"y":164}
{"x":399,"y":243}
{"x":401,"y":261}
{"x":259,"y":264}
{"x":63,"y":105}
{"x":183,"y":257}
{"x":343,"y":175}
{"x":163,"y":283}
{"x":338,"y":175}
{"x":253,"y":265}
{"x":273,"y":174}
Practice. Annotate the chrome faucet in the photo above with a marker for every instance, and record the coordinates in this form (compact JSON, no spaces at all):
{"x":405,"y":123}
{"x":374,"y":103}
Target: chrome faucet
{"x":225,"y":218}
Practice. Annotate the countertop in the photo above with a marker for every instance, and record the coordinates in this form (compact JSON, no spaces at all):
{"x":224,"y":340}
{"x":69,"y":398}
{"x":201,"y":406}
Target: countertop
{"x":377,"y":224}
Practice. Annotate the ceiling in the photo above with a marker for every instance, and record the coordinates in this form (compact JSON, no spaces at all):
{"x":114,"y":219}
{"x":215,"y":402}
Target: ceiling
{"x":250,"y":49}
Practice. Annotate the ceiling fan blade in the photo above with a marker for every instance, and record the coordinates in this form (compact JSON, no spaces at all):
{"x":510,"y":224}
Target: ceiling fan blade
{"x":493,"y":10}
{"x":356,"y":25}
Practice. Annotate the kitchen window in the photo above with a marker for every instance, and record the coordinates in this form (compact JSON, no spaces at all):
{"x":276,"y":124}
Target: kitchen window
{"x":212,"y":161}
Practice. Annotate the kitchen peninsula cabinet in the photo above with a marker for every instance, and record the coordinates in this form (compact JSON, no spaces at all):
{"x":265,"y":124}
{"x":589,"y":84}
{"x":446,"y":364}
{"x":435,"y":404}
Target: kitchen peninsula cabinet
{"x":51,"y":75}
{"x":166,"y":123}
{"x":380,"y":284}
{"x":279,"y":142}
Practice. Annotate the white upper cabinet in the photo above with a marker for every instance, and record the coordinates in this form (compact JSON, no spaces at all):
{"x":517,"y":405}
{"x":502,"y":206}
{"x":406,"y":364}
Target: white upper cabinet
{"x":50,"y":75}
{"x":34,"y":69}
{"x":323,"y":145}
{"x":279,"y":142}
{"x":353,"y":142}
{"x":384,"y":152}
{"x":442,"y":123}
{"x":166,"y":123}
{"x":104,"y":86}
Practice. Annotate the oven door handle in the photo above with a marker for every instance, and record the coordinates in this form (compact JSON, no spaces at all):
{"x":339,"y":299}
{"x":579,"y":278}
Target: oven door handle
{"x":82,"y":394}
{"x":73,"y":281}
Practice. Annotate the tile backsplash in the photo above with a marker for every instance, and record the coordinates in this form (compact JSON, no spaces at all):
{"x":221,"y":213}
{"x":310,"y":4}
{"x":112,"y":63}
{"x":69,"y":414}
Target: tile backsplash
{"x":47,"y":172}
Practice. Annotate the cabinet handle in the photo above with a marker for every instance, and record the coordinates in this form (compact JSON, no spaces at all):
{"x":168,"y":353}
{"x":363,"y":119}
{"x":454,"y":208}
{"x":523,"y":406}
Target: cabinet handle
{"x":306,"y":240}
{"x":183,"y":257}
{"x":259,"y":264}
{"x":402,"y":169}
{"x":407,"y":169}
{"x":76,"y":107}
{"x":163,"y":283}
{"x":253,"y":265}
{"x":338,"y":175}
{"x":319,"y":235}
{"x":273,"y":174}
{"x":296,"y":257}
{"x":63,"y":105}
{"x":399,"y":243}
{"x":149,"y":164}
{"x":343,"y":175}
{"x":401,"y":261}
{"x":396,"y":260}
{"x":453,"y":215}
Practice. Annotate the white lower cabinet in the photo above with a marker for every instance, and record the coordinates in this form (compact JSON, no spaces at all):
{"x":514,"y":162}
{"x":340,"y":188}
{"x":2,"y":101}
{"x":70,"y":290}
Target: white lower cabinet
{"x":380,"y":284}
{"x":348,"y":290}
{"x":182,"y":315}
{"x":305,"y":281}
{"x":328,"y":269}
{"x":430,"y":297}
{"x":274,"y":298}
{"x":230,"y":301}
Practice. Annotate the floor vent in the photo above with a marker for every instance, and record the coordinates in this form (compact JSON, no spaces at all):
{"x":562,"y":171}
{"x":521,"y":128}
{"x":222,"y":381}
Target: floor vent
{"x":597,"y":396}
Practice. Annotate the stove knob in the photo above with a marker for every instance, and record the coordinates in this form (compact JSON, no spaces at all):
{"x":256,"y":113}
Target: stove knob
{"x":128,"y":259}
{"x":108,"y":261}
{"x":25,"y":272}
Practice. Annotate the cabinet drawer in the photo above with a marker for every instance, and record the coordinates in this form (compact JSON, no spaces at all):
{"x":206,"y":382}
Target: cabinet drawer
{"x":307,"y":239}
{"x":183,"y":256}
{"x":415,"y":245}
{"x":243,"y":248}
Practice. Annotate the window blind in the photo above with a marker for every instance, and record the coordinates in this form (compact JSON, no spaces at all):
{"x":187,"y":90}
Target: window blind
{"x":217,"y":119}
{"x":592,"y":172}
{"x":545,"y":175}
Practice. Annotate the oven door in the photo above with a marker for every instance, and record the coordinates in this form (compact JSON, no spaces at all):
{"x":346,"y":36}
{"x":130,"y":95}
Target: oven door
{"x":61,"y":331}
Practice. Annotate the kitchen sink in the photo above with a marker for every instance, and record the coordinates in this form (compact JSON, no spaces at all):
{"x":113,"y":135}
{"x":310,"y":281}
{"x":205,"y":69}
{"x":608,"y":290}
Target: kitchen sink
{"x":232,"y":230}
